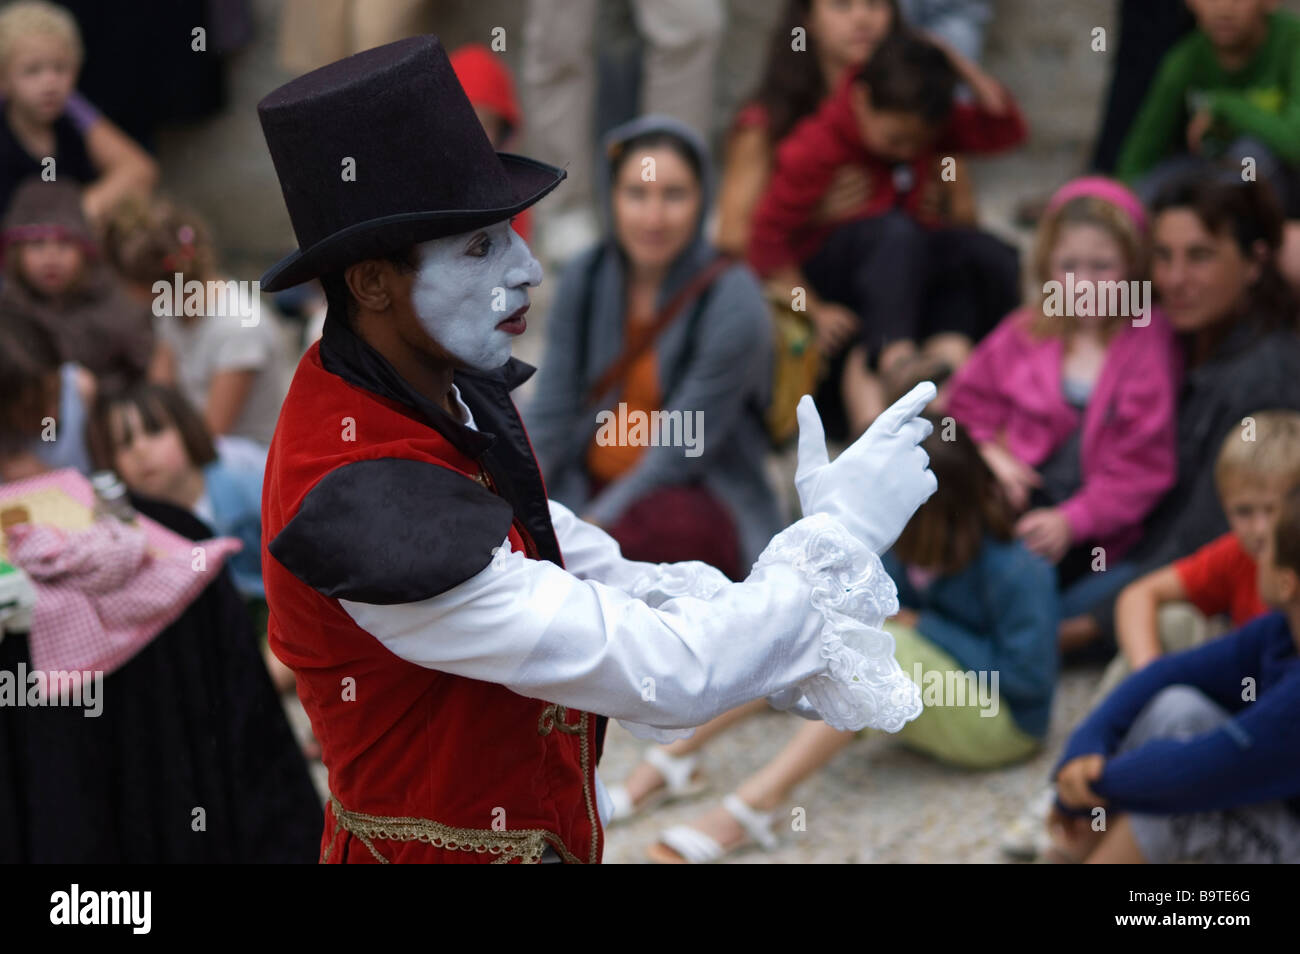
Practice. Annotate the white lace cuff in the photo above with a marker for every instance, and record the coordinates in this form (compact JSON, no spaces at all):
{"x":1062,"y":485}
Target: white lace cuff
{"x":863,"y":685}
{"x":666,"y":582}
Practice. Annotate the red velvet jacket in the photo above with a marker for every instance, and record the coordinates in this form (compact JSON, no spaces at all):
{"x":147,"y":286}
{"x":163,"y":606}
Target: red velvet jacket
{"x":377,"y":499}
{"x":806,"y":161}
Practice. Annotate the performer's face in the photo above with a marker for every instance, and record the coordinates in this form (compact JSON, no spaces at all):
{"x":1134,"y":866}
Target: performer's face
{"x":470,"y":291}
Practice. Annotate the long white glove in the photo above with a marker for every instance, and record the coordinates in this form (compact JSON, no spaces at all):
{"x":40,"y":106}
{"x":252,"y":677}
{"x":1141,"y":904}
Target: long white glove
{"x":879,"y":481}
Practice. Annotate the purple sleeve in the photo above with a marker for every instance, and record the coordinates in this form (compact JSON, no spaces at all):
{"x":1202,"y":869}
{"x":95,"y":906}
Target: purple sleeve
{"x":81,"y":112}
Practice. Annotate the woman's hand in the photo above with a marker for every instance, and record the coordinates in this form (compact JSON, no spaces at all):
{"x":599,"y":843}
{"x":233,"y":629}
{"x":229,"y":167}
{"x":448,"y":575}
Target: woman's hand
{"x":835,"y":325}
{"x":1017,"y":479}
{"x":1046,"y":531}
{"x":988,"y":91}
{"x":849,"y":190}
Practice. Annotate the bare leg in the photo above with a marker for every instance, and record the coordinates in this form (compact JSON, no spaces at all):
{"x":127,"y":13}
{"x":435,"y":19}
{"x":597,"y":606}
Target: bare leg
{"x":949,"y":347}
{"x":1077,"y":632}
{"x":1118,"y":847}
{"x":645,"y":778}
{"x":814,"y":745}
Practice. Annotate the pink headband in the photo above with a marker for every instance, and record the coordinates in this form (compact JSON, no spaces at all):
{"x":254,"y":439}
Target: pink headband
{"x":36,"y":232}
{"x":1107,"y":190}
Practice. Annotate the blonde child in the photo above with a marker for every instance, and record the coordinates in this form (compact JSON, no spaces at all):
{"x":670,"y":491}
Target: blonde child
{"x":46,"y":119}
{"x":1075,"y":412}
{"x":1178,"y":606}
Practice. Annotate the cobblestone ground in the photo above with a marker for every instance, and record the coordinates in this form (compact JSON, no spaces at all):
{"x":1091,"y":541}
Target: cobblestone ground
{"x":876,"y":802}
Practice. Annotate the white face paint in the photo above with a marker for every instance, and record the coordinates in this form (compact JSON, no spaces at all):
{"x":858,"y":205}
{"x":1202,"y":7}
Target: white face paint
{"x":467,"y":285}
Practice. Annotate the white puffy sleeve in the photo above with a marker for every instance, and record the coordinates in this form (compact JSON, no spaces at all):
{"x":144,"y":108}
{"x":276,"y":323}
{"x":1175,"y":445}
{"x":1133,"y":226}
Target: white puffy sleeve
{"x":592,"y":554}
{"x":807,"y":619}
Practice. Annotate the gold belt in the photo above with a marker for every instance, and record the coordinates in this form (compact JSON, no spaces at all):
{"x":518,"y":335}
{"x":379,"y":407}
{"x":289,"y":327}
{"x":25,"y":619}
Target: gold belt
{"x":526,"y":845}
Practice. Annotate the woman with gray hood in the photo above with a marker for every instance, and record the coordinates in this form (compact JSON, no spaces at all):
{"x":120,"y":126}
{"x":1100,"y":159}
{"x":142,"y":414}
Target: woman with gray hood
{"x":662,"y":445}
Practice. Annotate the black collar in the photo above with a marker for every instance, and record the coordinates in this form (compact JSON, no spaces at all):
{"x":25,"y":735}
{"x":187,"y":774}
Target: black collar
{"x":343,"y":352}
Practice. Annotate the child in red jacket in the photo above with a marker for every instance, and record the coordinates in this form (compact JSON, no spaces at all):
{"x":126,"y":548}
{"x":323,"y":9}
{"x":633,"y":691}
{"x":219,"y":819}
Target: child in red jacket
{"x":891,"y":276}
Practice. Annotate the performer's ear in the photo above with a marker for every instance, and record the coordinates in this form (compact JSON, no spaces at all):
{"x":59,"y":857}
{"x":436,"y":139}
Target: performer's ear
{"x":371,"y":284}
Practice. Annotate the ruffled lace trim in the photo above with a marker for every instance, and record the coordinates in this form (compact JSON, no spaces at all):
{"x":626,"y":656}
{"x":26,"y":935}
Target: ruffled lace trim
{"x":863,"y":685}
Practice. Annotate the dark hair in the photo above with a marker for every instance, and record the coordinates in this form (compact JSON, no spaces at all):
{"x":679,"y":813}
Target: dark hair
{"x":910,"y":75}
{"x":29,"y":355}
{"x":160,"y":406}
{"x":793,"y":84}
{"x":1249,"y":212}
{"x":1286,"y":533}
{"x":947,"y":531}
{"x":620,"y":152}
{"x":339,"y":298}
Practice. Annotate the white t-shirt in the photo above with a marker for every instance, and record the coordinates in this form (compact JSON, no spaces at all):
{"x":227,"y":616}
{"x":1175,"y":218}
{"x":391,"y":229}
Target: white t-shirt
{"x":206,"y":345}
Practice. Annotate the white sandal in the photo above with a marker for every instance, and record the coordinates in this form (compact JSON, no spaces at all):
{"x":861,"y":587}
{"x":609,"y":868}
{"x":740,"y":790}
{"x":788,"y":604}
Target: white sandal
{"x":697,"y":848}
{"x":675,"y":770}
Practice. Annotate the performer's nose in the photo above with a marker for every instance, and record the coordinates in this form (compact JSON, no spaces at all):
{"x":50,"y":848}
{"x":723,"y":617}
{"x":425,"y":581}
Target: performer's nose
{"x":527,"y":273}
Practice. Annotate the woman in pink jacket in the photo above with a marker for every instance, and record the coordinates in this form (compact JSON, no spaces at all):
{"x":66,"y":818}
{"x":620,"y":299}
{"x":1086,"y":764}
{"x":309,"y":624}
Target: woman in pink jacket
{"x":1072,"y":398}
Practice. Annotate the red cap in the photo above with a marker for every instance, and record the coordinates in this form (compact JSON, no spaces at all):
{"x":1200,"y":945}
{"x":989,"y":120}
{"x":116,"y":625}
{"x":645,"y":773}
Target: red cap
{"x":486,"y":81}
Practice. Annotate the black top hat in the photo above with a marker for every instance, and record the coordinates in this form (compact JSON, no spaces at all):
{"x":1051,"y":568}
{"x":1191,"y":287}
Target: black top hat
{"x":424,"y":167}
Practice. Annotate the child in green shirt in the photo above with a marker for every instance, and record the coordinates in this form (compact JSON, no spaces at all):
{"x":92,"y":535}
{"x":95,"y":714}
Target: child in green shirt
{"x":1229,"y":91}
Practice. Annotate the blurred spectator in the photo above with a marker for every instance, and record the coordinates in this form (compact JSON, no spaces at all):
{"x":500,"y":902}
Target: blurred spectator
{"x":796,"y":80}
{"x":316,"y":32}
{"x":1147,"y":29}
{"x":1190,"y":767}
{"x":1215,"y":242}
{"x":1220,"y":580}
{"x":40,"y":56}
{"x":234,"y":371}
{"x":1075,"y":412}
{"x":158,"y":444}
{"x":1229,"y":91}
{"x":662,"y":503}
{"x":54,"y":271}
{"x":44,"y":402}
{"x":559,"y":74}
{"x":882,"y":286}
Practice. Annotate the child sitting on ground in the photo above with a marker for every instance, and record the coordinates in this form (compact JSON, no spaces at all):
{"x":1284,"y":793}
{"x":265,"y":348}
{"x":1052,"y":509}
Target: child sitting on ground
{"x":1196,"y":757}
{"x":1188,"y":602}
{"x":1075,"y":412}
{"x":158,"y":444}
{"x":54,"y":272}
{"x":1230,"y":90}
{"x":46,"y":119}
{"x":882,"y":285}
{"x":1176,"y":607}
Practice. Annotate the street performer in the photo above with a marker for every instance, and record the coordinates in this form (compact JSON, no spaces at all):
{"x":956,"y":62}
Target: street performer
{"x":459,"y":640}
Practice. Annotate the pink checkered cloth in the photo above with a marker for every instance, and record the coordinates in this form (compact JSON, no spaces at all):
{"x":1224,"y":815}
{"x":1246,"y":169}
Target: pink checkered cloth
{"x":101,"y":595}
